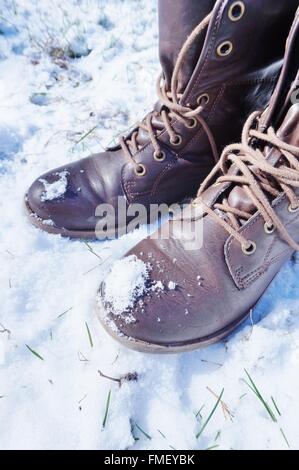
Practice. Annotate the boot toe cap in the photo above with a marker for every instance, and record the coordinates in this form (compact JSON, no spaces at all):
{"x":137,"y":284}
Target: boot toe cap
{"x":62,"y":200}
{"x":165,"y":314}
{"x":49,"y":197}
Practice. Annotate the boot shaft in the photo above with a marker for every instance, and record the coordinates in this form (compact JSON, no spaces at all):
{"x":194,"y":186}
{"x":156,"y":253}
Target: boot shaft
{"x":233,"y":65}
{"x":282,"y":113}
{"x":247,"y":213}
{"x":226,"y":69}
{"x":240,"y":38}
{"x":286,"y":92}
{"x":177,"y":19}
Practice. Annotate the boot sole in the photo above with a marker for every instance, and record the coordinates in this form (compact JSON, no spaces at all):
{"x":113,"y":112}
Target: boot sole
{"x":152,"y":348}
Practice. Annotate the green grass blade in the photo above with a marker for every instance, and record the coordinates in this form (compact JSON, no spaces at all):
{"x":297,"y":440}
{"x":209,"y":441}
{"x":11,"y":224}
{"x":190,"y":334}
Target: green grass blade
{"x":285,"y":438}
{"x":143,"y":432}
{"x":210,"y":415}
{"x":198,"y":414}
{"x":89,"y":334}
{"x":107,"y":409}
{"x":85,"y":135}
{"x":65,"y":312}
{"x":213,"y":447}
{"x":256,"y":391}
{"x":260,"y":397}
{"x":91,"y":250}
{"x":275,"y":405}
{"x":160,"y":432}
{"x":34,"y":352}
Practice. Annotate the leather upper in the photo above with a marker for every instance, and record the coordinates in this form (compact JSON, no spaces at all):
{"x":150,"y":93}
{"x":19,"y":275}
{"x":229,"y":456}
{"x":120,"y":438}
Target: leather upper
{"x":216,"y":284}
{"x":236,"y":85}
{"x":210,"y":288}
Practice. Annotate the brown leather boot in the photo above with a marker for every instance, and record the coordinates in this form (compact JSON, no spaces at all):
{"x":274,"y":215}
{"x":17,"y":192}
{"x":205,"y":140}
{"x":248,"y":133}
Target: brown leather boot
{"x":179,"y":299}
{"x":225,"y":69}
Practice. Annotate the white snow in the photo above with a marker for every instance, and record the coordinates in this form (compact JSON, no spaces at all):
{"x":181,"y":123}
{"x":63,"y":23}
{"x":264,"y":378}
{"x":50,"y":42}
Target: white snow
{"x":56,"y":189}
{"x":48,"y":284}
{"x":48,"y":222}
{"x":125,"y":283}
{"x":157,"y":286}
{"x":171,"y":285}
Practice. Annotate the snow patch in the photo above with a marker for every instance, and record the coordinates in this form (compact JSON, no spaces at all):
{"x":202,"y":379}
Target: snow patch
{"x":56,"y":189}
{"x":48,"y":222}
{"x":125,"y":283}
{"x":10,"y":143}
{"x":157,"y":286}
{"x":172,"y":285}
{"x":78,"y":47}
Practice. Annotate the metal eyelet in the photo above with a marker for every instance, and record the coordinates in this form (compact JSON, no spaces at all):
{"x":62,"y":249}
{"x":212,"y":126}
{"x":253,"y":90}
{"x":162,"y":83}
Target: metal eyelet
{"x":225,"y":48}
{"x":194,"y":204}
{"x":159,"y":156}
{"x":292,"y":209}
{"x":236,"y":11}
{"x":203,"y":99}
{"x":269,"y":228}
{"x":176,"y":141}
{"x":192,"y":123}
{"x":249,"y":248}
{"x":140,"y":170}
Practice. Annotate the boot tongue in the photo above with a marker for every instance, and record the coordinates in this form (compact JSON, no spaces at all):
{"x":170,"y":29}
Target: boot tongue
{"x":287,"y":82}
{"x":280,"y":114}
{"x":289,"y":133}
{"x":289,"y":130}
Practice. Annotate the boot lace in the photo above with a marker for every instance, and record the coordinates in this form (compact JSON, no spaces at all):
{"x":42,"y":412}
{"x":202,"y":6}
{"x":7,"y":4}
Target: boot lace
{"x":261,"y":181}
{"x":170,"y":109}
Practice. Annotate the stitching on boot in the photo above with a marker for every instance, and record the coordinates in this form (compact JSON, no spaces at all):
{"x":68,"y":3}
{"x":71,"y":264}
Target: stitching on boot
{"x":252,"y":81}
{"x":251,"y":277}
{"x":254,"y":274}
{"x":135,"y":194}
{"x":130,"y":185}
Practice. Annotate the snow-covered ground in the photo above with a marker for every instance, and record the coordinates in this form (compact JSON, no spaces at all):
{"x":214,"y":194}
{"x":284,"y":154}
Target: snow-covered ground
{"x":73,"y":74}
